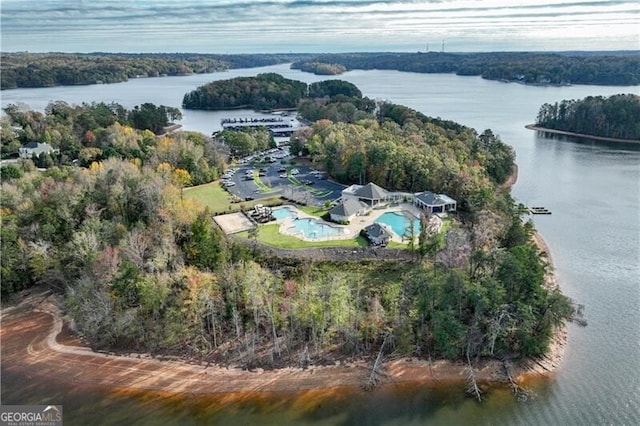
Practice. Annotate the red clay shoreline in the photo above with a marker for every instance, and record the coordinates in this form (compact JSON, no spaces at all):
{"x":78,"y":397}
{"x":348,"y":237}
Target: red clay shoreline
{"x":32,"y":342}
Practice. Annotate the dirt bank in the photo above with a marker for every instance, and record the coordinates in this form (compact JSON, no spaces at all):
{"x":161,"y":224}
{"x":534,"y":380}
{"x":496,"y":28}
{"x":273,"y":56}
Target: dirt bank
{"x":32,"y":342}
{"x":511,"y":180}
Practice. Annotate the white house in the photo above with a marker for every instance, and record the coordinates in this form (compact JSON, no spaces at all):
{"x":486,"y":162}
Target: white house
{"x":34,"y":149}
{"x":435,"y":203}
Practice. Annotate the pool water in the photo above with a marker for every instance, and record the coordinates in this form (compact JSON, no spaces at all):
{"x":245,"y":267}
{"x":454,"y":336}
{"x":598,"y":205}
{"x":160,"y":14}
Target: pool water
{"x":283,"y":213}
{"x":313,"y":229}
{"x":399,"y":222}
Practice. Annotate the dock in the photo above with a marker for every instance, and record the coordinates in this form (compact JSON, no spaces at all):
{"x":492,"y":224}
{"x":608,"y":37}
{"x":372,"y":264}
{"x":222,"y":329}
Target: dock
{"x":539,"y":210}
{"x":278,"y":126}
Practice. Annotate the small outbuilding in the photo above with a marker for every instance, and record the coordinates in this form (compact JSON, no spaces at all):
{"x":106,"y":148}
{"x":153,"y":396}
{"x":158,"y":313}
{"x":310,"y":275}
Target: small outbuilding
{"x":435,"y":203}
{"x":377,"y":234}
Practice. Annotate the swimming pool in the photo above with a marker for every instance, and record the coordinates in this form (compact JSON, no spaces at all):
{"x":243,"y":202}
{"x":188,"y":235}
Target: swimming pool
{"x":282,"y":213}
{"x":399,"y":222}
{"x":314,"y":229}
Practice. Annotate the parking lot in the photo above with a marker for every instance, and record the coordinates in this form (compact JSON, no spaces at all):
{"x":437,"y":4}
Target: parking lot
{"x":277,"y":179}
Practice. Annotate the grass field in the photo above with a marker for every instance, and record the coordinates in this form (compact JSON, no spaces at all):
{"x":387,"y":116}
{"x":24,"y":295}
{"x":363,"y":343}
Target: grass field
{"x":313,"y":210}
{"x":218,"y":200}
{"x":269,"y":234}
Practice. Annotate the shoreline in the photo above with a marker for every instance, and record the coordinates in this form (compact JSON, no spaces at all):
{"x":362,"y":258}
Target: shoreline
{"x":580,"y":135}
{"x":36,"y":341}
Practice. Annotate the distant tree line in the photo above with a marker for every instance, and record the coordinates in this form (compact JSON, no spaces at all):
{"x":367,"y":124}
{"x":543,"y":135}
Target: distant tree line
{"x":319,"y":68}
{"x":65,"y":69}
{"x":529,"y":68}
{"x":617,"y":116}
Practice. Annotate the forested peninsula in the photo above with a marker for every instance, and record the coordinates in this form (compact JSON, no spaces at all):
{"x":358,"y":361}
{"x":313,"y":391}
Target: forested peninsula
{"x":142,"y":267}
{"x":616,"y":117}
{"x":604,"y":68}
{"x":67,"y":69}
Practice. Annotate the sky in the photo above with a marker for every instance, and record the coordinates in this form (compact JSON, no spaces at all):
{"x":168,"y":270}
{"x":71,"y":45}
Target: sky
{"x":273,"y":26}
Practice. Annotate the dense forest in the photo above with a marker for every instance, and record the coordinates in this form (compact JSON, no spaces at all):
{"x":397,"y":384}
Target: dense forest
{"x":529,"y":68}
{"x":617,"y":116}
{"x":64,"y":69}
{"x":265,"y":91}
{"x":143,"y":268}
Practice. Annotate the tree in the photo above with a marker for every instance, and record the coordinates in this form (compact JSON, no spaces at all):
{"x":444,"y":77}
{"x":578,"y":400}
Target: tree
{"x":151,"y":117}
{"x":204,"y":246}
{"x":429,"y":239}
{"x":10,"y":171}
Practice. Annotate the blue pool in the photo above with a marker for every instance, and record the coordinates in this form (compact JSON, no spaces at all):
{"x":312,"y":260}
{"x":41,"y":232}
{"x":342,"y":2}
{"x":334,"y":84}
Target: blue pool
{"x":313,"y":228}
{"x":399,"y":222}
{"x":282,"y":213}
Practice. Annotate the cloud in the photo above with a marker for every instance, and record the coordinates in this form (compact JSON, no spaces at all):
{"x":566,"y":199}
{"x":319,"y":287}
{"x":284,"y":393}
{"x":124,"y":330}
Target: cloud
{"x":190,"y":25}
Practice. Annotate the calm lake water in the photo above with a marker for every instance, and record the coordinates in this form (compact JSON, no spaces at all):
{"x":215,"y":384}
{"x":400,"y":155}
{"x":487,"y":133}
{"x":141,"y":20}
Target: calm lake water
{"x":593,"y":190}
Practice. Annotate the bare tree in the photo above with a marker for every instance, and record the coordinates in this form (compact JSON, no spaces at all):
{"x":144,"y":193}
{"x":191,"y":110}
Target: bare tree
{"x":457,"y":248}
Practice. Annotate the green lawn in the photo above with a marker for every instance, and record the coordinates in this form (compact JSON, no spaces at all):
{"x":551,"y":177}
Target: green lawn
{"x":397,"y":245}
{"x":313,"y":210}
{"x":218,"y":200}
{"x":269,"y":234}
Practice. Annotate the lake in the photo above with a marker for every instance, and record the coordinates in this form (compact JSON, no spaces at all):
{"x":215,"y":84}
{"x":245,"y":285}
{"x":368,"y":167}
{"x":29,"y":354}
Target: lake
{"x":593,"y":190}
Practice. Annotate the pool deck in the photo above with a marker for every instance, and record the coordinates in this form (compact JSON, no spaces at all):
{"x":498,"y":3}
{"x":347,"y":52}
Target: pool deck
{"x":357,"y":224}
